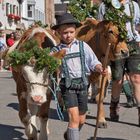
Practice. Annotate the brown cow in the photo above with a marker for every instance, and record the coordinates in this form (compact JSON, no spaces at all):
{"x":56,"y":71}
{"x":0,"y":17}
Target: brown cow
{"x":98,"y":35}
{"x":33,"y":87}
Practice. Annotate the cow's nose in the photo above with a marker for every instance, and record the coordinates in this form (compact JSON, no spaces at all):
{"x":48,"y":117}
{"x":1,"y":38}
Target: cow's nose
{"x":37,"y":98}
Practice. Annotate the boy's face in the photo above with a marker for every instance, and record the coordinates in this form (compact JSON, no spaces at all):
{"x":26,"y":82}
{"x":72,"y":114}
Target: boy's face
{"x":67,"y":33}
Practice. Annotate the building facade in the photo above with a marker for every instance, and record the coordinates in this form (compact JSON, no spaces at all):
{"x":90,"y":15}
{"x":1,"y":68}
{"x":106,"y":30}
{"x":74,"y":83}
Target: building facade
{"x":20,"y":13}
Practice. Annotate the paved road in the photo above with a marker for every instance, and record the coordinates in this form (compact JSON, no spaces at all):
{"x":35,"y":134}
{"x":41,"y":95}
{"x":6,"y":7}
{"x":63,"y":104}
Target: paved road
{"x":12,"y":129}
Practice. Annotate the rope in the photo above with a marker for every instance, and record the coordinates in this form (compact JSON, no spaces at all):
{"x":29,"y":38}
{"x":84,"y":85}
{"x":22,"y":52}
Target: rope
{"x":54,"y":91}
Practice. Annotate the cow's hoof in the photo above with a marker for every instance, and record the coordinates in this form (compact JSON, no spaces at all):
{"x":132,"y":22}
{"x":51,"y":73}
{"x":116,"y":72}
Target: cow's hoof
{"x":102,"y":125}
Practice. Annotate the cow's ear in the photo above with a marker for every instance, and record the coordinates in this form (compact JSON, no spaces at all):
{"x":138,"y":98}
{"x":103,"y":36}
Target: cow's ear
{"x":59,"y":54}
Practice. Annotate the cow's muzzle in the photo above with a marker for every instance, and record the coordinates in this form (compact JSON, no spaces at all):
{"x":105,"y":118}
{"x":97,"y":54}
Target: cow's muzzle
{"x":37,"y":99}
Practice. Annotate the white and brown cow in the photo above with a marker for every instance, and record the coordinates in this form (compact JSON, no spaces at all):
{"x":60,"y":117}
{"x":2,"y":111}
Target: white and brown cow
{"x":32,"y":86}
{"x":99,"y":35}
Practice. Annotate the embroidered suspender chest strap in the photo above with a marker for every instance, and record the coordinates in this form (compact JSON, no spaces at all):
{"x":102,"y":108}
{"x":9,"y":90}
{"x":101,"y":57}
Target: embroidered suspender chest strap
{"x":131,"y":8}
{"x":80,"y":54}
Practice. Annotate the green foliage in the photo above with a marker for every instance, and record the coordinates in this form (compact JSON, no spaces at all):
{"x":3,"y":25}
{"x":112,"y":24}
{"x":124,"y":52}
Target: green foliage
{"x":117,"y":16}
{"x":81,"y":9}
{"x":41,"y":57}
{"x":39,"y":23}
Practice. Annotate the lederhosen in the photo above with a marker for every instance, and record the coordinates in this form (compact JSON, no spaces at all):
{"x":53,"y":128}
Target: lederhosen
{"x":73,"y":88}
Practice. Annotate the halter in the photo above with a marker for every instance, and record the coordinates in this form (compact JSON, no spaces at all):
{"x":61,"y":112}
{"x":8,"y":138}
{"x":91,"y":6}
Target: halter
{"x":36,"y":83}
{"x":54,"y":92}
{"x":112,"y":47}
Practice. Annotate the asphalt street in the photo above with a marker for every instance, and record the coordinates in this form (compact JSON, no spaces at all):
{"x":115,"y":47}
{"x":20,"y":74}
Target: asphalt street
{"x":12,"y":129}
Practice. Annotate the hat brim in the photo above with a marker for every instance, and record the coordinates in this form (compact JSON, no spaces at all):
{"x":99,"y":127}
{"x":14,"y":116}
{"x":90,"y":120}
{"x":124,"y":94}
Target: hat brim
{"x":55,"y":27}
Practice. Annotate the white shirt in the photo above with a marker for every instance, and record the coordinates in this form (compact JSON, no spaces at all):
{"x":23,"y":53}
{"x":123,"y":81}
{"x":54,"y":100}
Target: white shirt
{"x":74,"y":64}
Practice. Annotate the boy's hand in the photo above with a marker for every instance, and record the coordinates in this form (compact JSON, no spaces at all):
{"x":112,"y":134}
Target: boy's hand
{"x":99,"y":68}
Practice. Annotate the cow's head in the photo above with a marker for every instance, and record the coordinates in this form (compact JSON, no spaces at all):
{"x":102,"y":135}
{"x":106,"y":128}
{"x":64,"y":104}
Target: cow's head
{"x":35,"y":69}
{"x":109,"y":35}
{"x":38,"y":83}
{"x":99,"y":35}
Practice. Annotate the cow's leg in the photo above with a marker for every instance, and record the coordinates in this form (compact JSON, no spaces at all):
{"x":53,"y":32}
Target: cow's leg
{"x":30,"y":127}
{"x":102,"y":122}
{"x":21,"y":93}
{"x":23,"y":114}
{"x":43,"y":116}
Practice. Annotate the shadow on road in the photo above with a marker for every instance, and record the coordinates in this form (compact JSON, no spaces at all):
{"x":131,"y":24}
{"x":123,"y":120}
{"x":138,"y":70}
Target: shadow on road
{"x":53,"y":114}
{"x":108,"y":119}
{"x":8,"y":132}
{"x":15,"y":106}
{"x":99,"y":138}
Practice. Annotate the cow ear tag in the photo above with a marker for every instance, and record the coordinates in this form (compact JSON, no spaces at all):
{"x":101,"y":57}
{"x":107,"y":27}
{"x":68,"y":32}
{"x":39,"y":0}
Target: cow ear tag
{"x":116,"y":4}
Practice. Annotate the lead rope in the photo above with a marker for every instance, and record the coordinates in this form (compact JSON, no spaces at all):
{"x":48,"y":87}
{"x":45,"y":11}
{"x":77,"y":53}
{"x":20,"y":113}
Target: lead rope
{"x":54,"y":91}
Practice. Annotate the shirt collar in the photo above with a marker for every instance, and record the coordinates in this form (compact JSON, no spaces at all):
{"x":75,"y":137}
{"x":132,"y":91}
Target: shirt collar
{"x":75,"y":41}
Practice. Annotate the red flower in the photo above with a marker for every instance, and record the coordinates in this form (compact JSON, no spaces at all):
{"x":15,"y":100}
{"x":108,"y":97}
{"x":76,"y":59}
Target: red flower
{"x":11,"y":16}
{"x":17,"y":17}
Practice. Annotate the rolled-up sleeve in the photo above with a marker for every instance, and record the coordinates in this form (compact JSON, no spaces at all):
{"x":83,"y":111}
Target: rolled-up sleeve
{"x":101,"y":12}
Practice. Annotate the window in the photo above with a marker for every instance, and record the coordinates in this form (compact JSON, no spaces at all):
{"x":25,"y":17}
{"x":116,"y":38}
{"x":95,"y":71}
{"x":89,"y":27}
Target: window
{"x":17,"y":10}
{"x":7,"y":8}
{"x":14,"y":9}
{"x":30,"y":10}
{"x":11,"y":9}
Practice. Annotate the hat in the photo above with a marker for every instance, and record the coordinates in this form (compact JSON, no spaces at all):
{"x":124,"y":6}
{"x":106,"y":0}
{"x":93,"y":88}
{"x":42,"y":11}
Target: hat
{"x":66,"y":18}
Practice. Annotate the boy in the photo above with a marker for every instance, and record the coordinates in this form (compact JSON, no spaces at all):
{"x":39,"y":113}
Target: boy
{"x":76,"y":66}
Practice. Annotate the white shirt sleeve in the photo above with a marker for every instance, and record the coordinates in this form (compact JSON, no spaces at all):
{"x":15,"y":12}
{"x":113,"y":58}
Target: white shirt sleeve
{"x":91,"y":59}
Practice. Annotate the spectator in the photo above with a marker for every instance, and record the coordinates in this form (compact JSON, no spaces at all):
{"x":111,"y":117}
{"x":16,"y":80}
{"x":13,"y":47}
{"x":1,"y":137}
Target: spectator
{"x":3,"y":45}
{"x":11,"y":40}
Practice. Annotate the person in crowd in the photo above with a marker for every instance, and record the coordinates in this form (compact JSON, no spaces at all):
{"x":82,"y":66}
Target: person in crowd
{"x":11,"y":40}
{"x":76,"y":66}
{"x":132,"y":63}
{"x":3,"y":45}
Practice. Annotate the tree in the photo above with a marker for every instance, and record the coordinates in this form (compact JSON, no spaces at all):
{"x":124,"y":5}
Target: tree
{"x":81,"y":9}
